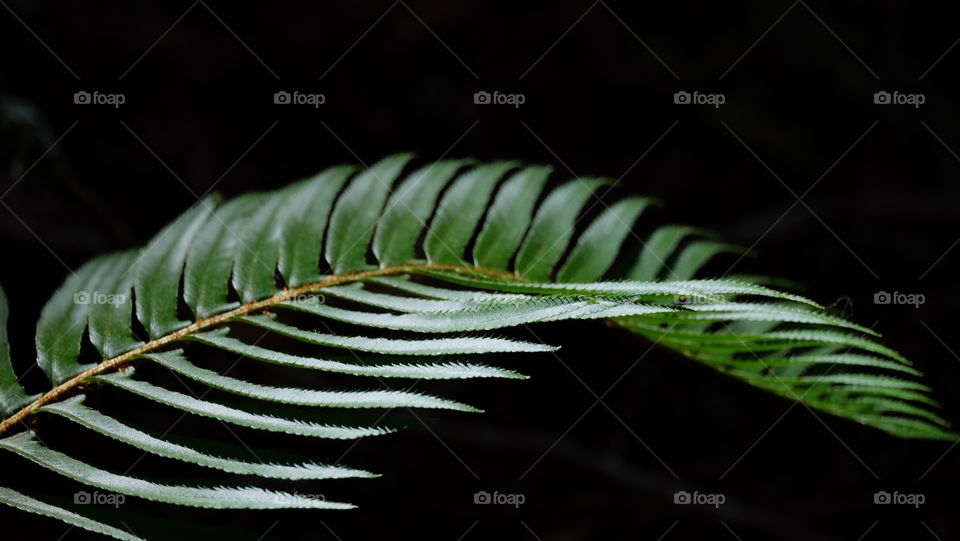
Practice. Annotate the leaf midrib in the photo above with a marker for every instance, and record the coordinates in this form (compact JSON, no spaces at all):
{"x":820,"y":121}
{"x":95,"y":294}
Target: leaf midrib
{"x":120,"y":361}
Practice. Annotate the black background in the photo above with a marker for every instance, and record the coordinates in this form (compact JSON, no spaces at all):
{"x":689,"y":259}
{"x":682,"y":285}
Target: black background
{"x":598,"y":81}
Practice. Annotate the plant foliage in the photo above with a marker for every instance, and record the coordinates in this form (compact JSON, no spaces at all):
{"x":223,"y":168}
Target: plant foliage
{"x":417,"y":272}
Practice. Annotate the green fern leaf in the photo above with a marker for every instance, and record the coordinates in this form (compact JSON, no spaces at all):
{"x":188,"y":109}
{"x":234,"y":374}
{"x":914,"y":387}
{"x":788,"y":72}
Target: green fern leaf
{"x":370,"y":274}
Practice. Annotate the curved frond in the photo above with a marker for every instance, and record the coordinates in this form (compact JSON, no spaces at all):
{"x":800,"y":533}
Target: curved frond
{"x":375,"y":275}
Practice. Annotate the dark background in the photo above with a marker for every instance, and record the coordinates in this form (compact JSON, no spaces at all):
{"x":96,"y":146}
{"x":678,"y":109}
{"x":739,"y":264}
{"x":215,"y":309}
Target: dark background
{"x":799,"y":79}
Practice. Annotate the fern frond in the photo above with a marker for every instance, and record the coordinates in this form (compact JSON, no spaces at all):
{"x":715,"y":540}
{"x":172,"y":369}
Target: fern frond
{"x":380,"y":274}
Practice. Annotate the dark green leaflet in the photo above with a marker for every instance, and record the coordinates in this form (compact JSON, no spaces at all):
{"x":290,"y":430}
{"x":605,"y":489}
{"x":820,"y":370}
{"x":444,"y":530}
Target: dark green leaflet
{"x":408,"y":211}
{"x":159,"y":267}
{"x":459,"y":212}
{"x":12,"y":395}
{"x":356,"y":213}
{"x":508,"y":217}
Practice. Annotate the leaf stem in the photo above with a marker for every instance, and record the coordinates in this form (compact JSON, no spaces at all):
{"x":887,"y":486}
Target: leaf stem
{"x":64,"y":389}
